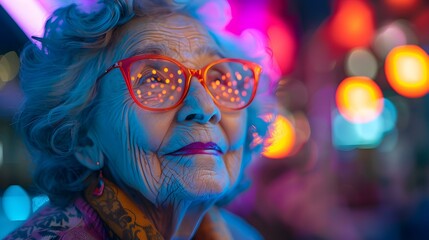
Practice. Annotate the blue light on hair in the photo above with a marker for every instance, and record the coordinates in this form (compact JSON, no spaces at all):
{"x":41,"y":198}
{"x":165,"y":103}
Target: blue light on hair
{"x":39,"y":201}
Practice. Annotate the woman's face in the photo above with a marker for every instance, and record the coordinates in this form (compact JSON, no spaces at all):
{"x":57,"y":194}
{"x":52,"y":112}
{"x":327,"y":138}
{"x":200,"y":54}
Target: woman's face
{"x":141,"y":146}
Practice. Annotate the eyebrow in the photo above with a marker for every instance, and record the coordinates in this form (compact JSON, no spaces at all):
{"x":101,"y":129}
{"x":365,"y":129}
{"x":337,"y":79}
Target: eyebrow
{"x":150,"y":49}
{"x":163,"y":50}
{"x":208,"y":50}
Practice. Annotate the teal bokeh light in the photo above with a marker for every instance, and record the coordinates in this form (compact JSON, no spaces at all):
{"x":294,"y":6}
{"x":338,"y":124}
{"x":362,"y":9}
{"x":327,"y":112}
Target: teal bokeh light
{"x":389,"y":116}
{"x":16,"y":203}
{"x":347,"y":135}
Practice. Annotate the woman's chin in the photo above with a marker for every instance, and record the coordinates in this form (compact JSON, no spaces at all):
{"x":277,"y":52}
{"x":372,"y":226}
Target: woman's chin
{"x":206,"y":185}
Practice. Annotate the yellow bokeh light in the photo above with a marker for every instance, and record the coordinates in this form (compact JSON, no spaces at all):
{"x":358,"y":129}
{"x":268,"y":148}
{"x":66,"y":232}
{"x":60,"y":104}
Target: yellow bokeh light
{"x":407,"y":71}
{"x":359,"y":99}
{"x":282,"y":139}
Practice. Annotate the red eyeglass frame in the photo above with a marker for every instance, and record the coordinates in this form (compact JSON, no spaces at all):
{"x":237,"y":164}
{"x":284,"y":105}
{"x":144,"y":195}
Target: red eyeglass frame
{"x":125,"y":66}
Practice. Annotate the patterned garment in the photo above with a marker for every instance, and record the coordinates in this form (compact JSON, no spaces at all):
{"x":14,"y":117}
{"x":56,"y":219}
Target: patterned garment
{"x":110,"y":216}
{"x":77,"y":221}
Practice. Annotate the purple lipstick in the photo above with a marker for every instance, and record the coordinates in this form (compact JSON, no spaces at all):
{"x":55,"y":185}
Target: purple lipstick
{"x":210,"y":148}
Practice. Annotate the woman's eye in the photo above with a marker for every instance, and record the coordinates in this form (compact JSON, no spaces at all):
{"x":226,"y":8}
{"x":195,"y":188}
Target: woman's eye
{"x":149,"y":76}
{"x":219,"y":77}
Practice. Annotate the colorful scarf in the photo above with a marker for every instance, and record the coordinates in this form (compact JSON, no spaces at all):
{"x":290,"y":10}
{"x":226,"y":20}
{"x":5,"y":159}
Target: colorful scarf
{"x":125,"y":220}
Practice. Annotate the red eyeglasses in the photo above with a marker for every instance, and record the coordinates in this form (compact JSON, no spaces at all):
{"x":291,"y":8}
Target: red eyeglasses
{"x":160,"y":83}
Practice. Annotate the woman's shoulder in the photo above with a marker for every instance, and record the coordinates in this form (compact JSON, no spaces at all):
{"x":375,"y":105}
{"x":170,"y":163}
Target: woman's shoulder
{"x":54,"y":222}
{"x":238,"y":228}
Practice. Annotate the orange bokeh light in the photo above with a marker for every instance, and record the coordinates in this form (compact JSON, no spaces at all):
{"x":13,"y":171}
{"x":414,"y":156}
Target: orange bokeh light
{"x":406,"y":70}
{"x":282,"y":139}
{"x":359,"y":99}
{"x":352,"y":24}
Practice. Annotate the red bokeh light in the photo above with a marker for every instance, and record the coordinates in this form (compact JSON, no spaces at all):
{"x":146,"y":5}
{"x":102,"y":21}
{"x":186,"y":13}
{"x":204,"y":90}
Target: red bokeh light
{"x":402,"y":6}
{"x":352,"y":24}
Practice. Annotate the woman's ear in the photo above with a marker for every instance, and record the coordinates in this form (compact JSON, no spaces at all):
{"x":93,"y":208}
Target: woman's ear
{"x":89,"y":154}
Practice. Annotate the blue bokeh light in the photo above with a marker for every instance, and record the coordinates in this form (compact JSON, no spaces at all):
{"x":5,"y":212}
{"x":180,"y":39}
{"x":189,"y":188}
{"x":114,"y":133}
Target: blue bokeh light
{"x":16,"y":203}
{"x":347,"y":135}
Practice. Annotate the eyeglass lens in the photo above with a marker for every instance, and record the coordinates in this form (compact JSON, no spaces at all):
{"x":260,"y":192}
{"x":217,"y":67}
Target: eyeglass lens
{"x":159,"y":83}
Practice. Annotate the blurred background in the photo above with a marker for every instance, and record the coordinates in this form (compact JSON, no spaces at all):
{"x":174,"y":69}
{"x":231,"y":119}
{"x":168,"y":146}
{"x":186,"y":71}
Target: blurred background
{"x":349,"y":155}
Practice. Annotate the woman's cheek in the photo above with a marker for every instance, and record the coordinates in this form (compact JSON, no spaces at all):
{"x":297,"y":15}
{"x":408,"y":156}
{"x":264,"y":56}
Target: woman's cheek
{"x":235,"y":125}
{"x":150,"y":129}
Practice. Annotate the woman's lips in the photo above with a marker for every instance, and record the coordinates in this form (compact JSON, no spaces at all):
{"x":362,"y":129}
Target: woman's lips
{"x":210,"y":148}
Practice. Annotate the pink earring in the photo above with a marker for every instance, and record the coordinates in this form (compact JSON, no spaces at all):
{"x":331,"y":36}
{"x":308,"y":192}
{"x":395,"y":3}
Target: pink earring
{"x":98,"y":191}
{"x":255,"y":137}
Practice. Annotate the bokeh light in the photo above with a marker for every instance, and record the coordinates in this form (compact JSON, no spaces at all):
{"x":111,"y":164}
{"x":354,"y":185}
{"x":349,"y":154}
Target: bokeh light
{"x":361,"y":62}
{"x":406,"y":70}
{"x":352,"y":24}
{"x":420,"y":23}
{"x":347,"y":135}
{"x":16,"y":203}
{"x":402,"y":6}
{"x":392,"y":35}
{"x":284,"y":51}
{"x":389,"y":115}
{"x":282,"y":139}
{"x":302,"y":130}
{"x":9,"y":66}
{"x":359,"y":99}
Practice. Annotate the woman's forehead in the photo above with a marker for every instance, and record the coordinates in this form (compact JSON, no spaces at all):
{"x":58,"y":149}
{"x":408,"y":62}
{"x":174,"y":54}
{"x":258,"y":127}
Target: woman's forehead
{"x":171,"y":35}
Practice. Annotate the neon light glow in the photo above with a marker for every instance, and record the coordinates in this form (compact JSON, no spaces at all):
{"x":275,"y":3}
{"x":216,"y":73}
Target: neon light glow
{"x":359,"y":99}
{"x":361,"y":62}
{"x":352,"y":25}
{"x":16,"y":203}
{"x":392,"y":35}
{"x":407,"y":71}
{"x":284,"y":51}
{"x":32,"y":24}
{"x":347,"y":135}
{"x":282,"y":139}
{"x":402,"y":6}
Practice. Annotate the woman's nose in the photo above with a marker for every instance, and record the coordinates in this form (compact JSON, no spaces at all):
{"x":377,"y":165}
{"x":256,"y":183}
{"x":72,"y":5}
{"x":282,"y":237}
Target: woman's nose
{"x":198,"y":105}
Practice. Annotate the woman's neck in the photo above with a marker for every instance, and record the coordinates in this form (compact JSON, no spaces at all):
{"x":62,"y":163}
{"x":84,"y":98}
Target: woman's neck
{"x":178,"y":220}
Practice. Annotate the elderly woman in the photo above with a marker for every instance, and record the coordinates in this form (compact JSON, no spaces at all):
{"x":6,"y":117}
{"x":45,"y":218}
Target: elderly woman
{"x":140,"y":124}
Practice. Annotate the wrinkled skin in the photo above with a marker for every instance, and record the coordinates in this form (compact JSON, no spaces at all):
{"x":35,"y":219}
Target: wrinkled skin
{"x":134,"y":143}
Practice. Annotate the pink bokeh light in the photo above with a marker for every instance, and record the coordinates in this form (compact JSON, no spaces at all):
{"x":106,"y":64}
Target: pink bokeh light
{"x":30,"y":15}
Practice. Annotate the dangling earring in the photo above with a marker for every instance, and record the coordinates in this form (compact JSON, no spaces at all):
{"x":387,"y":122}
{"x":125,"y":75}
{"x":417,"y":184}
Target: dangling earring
{"x":256,"y":139}
{"x":98,"y":191}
